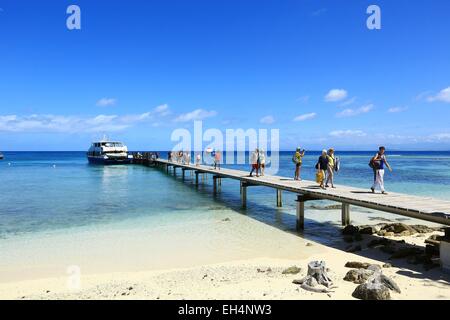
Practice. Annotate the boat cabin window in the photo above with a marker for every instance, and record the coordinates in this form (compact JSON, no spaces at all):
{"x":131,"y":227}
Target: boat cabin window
{"x":112,"y":144}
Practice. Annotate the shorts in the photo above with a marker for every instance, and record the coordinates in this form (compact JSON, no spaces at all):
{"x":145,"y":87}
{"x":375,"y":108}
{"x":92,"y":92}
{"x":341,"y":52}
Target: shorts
{"x":255,"y":166}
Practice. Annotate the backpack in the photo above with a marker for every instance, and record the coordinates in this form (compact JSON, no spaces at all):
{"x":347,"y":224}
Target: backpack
{"x":296,"y":160}
{"x":375,"y":165}
{"x":337,"y":164}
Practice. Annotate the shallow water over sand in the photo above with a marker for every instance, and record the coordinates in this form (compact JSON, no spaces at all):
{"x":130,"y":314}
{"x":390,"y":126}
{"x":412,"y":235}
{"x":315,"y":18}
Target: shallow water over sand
{"x":57,"y":211}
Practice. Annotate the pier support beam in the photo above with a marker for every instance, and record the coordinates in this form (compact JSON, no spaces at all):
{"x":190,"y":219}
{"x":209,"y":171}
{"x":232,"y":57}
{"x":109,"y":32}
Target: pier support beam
{"x":244,"y":195}
{"x":183,"y":173}
{"x":345,"y":214}
{"x":215,"y":178}
{"x":279,"y":200}
{"x":196,"y":178}
{"x":301,"y":212}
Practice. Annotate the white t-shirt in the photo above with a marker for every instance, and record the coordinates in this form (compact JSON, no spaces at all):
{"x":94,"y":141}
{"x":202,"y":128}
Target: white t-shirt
{"x":262,"y":157}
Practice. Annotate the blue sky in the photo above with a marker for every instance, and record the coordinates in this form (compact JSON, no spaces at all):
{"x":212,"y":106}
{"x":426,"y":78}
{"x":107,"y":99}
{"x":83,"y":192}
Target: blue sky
{"x":137,"y":70}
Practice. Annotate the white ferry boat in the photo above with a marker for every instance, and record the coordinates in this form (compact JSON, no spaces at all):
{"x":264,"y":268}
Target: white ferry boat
{"x":108,"y":152}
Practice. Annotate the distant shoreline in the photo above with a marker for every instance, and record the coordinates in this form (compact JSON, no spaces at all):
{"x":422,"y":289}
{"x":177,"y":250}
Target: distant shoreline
{"x":282,"y":151}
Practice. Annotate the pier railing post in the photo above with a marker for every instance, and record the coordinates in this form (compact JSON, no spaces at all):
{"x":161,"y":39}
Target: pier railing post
{"x":244,"y":195}
{"x":279,"y":200}
{"x":300,"y":212}
{"x":345,"y":214}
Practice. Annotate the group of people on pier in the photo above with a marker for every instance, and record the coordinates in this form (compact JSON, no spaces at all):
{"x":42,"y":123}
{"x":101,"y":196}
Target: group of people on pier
{"x":327,"y":165}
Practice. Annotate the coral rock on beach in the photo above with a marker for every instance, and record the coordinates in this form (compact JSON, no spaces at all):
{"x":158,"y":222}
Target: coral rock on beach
{"x":292,"y":270}
{"x":387,"y":229}
{"x":350,"y":230}
{"x":376,"y":287}
{"x":372,"y":291}
{"x":357,"y":265}
{"x":358,"y":276}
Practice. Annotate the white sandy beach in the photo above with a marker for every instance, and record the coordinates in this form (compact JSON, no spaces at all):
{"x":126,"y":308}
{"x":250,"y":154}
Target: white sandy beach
{"x":239,"y":258}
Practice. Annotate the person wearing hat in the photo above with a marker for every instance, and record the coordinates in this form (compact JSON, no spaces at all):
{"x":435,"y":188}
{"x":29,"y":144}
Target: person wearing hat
{"x":330,"y":168}
{"x":298,"y":159}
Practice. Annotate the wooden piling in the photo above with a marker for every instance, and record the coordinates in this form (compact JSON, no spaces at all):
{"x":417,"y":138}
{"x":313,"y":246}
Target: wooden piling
{"x":279,"y":200}
{"x":196,"y":178}
{"x":345,"y":214}
{"x":300,"y":225}
{"x":215,"y":185}
{"x":244,"y":195}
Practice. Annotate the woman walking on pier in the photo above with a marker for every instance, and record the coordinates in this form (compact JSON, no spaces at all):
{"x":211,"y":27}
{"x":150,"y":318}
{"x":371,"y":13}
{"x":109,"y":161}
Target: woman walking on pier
{"x":262,"y":160}
{"x":330,"y":168}
{"x":377,"y":163}
{"x":321,"y":166}
{"x":217,"y":159}
{"x":255,"y":161}
{"x":298,"y":159}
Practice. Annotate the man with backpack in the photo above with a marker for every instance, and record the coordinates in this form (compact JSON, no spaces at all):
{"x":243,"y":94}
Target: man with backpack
{"x":377,"y":163}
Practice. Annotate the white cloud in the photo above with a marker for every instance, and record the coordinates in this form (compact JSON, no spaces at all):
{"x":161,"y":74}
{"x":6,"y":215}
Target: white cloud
{"x":303,"y":99}
{"x":319,"y":12}
{"x":347,"y":133}
{"x":354,"y":112}
{"x":336,"y":95}
{"x":442,"y":96}
{"x":439,"y":137}
{"x":79,"y":124}
{"x":267,"y":120}
{"x":397,"y":109}
{"x":347,"y":102}
{"x":162,"y":109}
{"x":421,"y":96}
{"x":198,"y":114}
{"x":306,"y":116}
{"x":106,"y":102}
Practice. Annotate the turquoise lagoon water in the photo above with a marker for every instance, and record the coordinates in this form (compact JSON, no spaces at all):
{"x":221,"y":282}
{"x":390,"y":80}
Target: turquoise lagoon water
{"x":56,"y":191}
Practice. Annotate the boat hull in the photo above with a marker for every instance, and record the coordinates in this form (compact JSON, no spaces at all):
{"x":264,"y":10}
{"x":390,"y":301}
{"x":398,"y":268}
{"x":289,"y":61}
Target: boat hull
{"x":109,"y":161}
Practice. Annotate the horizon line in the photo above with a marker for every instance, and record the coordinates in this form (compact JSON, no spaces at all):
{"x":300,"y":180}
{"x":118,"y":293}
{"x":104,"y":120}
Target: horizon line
{"x":291,"y":150}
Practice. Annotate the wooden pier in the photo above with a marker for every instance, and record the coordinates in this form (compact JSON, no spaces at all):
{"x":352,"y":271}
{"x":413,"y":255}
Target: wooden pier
{"x":424,"y":208}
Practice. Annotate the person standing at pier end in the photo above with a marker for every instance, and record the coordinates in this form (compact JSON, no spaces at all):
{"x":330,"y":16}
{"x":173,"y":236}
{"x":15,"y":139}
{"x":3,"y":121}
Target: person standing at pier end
{"x":298,"y":159}
{"x":377,"y":163}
